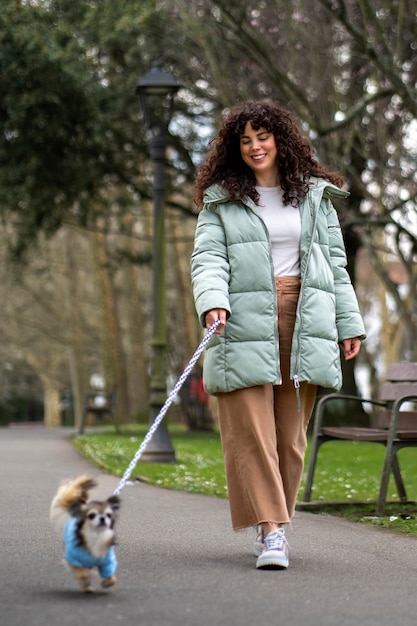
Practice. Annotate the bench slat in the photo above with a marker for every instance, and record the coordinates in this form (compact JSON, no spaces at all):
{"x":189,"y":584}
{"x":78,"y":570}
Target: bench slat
{"x":391,"y":391}
{"x":406,"y":420}
{"x":402,"y":371}
{"x":355,"y":434}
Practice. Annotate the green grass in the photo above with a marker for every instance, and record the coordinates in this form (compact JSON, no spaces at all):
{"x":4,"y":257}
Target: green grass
{"x":199,"y":467}
{"x":346,"y":481}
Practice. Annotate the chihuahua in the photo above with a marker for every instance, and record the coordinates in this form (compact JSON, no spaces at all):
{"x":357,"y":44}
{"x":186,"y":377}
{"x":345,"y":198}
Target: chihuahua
{"x":87,"y":529}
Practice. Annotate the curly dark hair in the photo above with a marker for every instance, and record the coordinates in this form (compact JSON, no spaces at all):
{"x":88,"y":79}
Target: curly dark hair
{"x":295,"y":155}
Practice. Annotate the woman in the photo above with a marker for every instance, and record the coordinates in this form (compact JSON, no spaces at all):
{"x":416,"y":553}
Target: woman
{"x":269,"y":261}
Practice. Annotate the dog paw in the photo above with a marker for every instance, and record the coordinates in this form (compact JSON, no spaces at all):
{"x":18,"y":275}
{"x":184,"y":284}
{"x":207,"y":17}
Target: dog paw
{"x":108,"y":582}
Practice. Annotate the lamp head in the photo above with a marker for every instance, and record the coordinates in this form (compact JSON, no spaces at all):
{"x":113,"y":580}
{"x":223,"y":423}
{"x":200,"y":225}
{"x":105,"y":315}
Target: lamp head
{"x":156,"y":91}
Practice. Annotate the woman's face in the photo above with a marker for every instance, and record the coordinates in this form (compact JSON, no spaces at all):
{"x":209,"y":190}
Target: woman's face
{"x":259,"y":151}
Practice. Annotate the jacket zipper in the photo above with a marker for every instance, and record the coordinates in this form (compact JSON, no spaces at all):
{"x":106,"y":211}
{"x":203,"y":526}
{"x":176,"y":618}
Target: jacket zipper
{"x":297,"y":358}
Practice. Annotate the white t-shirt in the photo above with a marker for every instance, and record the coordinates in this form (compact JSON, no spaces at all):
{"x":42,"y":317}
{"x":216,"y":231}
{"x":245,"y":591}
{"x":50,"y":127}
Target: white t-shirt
{"x":284,"y":227}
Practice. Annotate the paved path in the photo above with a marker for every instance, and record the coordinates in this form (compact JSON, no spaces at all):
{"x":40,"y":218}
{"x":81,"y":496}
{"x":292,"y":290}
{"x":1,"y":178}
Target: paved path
{"x":181,"y":565}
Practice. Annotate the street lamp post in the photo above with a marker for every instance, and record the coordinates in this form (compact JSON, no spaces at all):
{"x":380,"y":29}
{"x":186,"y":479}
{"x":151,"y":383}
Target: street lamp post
{"x":157,"y":90}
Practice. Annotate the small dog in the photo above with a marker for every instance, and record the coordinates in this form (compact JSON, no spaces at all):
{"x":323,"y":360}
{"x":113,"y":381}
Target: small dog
{"x":87,"y":528}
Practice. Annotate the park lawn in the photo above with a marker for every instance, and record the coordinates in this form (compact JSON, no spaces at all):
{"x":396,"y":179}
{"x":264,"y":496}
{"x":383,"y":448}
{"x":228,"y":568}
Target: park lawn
{"x":347,"y":473}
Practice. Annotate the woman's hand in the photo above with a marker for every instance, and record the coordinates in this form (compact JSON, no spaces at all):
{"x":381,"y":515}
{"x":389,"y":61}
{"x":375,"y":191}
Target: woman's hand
{"x":350,"y":347}
{"x":212,"y":316}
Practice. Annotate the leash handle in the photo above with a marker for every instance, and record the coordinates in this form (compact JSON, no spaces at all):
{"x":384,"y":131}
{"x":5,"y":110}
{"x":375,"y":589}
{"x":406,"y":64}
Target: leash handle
{"x":166,"y":406}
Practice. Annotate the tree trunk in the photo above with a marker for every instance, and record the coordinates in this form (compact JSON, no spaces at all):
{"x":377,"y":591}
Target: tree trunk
{"x":52,"y":411}
{"x":112,"y":354}
{"x":136,"y":294}
{"x":79,"y":382}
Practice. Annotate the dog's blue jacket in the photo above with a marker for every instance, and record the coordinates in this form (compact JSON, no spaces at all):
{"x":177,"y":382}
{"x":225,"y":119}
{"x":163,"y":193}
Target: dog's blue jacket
{"x":79,"y":557}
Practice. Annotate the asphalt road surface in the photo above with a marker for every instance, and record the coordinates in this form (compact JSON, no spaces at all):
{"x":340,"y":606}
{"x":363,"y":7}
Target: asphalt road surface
{"x":180,"y":564}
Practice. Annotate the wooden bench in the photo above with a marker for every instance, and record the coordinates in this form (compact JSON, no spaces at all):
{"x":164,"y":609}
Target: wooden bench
{"x":100,"y":404}
{"x":391,"y":427}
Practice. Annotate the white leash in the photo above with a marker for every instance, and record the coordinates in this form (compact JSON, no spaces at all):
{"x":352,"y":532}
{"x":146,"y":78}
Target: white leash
{"x":166,"y":406}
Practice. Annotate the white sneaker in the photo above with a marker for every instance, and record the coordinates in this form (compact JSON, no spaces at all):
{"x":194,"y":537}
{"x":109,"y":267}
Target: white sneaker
{"x":259,"y":544}
{"x":275,"y":553}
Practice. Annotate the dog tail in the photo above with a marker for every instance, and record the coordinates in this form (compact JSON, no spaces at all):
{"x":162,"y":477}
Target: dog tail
{"x":70,"y":492}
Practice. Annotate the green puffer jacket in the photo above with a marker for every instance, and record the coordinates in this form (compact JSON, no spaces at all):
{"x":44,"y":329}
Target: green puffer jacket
{"x":231,"y":268}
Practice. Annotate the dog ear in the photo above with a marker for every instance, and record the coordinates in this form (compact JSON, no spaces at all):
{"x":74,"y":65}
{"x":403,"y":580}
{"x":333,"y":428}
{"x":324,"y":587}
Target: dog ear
{"x":77,"y":509}
{"x":114,"y":502}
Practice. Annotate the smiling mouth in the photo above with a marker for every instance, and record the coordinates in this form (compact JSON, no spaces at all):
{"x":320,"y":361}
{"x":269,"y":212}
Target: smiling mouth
{"x":258,"y":157}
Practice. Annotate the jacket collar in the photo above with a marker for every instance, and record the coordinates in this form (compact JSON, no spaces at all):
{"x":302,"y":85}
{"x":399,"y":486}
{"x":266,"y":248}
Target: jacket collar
{"x":319,"y":187}
{"x":215,"y":193}
{"x":323,"y":188}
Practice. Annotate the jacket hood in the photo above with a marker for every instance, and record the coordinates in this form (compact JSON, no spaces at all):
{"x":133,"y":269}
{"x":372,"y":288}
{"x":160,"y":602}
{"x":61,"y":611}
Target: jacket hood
{"x":215,"y":193}
{"x":321,"y":187}
{"x":327,"y":190}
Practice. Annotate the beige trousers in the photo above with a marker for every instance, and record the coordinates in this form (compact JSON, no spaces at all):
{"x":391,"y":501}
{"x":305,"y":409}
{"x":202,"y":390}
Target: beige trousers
{"x":263,"y":433}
